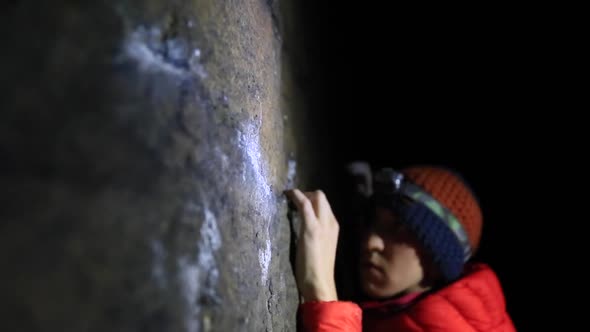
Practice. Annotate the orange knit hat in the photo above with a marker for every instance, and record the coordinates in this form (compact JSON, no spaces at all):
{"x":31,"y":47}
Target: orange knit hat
{"x":449,"y":189}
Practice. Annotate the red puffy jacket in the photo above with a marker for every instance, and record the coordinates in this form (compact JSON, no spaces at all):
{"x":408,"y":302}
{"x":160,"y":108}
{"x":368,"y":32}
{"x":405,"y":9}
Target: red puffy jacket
{"x":474,"y":303}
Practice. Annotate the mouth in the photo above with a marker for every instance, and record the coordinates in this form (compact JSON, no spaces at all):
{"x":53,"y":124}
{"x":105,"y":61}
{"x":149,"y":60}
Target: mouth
{"x":371,"y":268}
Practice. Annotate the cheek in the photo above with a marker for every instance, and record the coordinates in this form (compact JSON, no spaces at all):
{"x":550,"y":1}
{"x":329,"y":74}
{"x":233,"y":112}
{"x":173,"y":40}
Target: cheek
{"x":403,"y":266}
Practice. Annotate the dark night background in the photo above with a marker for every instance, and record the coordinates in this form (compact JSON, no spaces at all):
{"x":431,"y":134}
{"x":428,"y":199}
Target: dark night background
{"x":454,"y":87}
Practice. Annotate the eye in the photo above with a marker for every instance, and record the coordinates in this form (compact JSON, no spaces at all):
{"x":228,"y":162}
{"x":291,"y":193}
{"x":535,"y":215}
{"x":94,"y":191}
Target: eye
{"x":396,"y":226}
{"x":387,"y":227}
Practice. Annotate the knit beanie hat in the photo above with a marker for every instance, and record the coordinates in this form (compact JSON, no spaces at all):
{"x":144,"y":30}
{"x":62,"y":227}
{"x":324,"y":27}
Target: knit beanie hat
{"x":443,"y":212}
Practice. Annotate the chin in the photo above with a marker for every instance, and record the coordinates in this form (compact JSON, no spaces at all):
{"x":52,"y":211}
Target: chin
{"x":373,"y":291}
{"x":378,"y":291}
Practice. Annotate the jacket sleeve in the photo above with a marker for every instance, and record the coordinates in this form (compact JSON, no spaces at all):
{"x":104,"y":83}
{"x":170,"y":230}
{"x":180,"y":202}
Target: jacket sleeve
{"x":332,"y":316}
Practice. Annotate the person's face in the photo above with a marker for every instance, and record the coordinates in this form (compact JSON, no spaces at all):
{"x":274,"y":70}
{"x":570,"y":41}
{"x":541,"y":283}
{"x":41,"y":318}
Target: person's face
{"x":390,"y":258}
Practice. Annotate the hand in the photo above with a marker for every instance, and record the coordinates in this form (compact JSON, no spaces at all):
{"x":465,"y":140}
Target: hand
{"x":316,"y":247}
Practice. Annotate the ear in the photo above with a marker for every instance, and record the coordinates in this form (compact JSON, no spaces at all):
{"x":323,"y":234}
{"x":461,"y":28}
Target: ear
{"x":361,"y":176}
{"x":432,"y":276}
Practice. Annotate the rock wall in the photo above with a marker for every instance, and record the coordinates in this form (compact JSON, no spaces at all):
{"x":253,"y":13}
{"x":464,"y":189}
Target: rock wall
{"x":144,"y":148}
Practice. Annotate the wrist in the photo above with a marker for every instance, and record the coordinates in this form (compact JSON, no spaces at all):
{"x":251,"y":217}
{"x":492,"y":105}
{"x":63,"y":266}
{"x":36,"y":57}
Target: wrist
{"x":323,"y":293}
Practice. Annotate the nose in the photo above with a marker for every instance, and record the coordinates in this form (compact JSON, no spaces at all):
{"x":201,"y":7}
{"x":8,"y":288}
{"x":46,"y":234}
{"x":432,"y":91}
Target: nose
{"x":373,"y":242}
